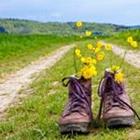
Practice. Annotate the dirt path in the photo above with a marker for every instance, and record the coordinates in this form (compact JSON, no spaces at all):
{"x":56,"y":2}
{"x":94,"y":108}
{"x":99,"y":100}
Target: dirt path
{"x":10,"y":88}
{"x":132,"y":57}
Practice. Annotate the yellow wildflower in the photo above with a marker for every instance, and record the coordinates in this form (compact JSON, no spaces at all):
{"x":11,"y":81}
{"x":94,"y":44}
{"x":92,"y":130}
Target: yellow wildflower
{"x":79,"y":55}
{"x":115,"y":68}
{"x":93,"y":49}
{"x":88,"y":60}
{"x":99,"y":44}
{"x":81,"y":36}
{"x":97,"y":49}
{"x":130,"y":39}
{"x":134,"y":44}
{"x":108,"y":47}
{"x":79,"y":24}
{"x":88,"y":33}
{"x":78,"y":52}
{"x":90,"y":46}
{"x":88,"y":71}
{"x":119,"y":77}
{"x":83,"y":59}
{"x":94,"y":61}
{"x":100,"y":56}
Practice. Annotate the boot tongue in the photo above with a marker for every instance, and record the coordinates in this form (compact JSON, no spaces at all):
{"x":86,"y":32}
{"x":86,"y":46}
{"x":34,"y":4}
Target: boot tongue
{"x":86,"y":84}
{"x":111,"y":85}
{"x":108,"y":74}
{"x":109,"y":82}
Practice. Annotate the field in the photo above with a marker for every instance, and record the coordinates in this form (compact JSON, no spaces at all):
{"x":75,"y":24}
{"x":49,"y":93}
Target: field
{"x":17,"y":51}
{"x":121,"y":38}
{"x":35,"y":118}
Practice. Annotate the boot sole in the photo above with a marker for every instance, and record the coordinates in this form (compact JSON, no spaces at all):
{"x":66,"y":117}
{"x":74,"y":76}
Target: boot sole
{"x":120,"y":122}
{"x":75,"y":128}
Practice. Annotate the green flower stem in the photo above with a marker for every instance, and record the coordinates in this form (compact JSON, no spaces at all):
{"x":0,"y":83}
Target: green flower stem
{"x":111,"y":59}
{"x":74,"y":58}
{"x":123,"y":58}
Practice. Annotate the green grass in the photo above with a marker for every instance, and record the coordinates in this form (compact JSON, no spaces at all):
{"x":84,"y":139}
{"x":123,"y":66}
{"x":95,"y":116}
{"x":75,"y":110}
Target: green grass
{"x":36,"y":118}
{"x":17,"y":51}
{"x":121,"y":38}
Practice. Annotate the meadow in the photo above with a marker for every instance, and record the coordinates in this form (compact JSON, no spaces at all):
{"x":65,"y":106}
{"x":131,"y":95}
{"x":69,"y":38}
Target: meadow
{"x":36,"y":117}
{"x":17,"y":51}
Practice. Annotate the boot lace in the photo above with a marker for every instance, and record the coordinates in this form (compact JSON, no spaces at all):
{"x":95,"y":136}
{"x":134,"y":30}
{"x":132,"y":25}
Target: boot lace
{"x":78,"y":97}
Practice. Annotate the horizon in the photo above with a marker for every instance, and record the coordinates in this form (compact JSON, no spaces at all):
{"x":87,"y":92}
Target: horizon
{"x":118,"y":12}
{"x":20,"y":19}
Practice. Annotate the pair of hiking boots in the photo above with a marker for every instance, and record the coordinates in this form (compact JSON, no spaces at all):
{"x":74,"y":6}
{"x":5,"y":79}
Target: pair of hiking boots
{"x":115,"y":107}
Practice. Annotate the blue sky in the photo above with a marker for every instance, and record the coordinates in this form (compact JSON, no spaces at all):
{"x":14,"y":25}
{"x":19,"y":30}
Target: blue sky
{"x":126,"y":12}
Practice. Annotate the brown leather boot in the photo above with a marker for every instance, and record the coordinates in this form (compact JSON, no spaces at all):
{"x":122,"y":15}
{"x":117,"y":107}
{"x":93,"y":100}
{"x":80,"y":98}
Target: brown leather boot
{"x":77,"y":114}
{"x":115,"y":107}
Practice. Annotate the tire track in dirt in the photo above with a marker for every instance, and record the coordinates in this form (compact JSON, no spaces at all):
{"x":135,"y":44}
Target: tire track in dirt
{"x":10,"y":88}
{"x":131,"y":57}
